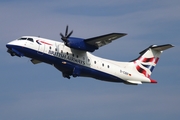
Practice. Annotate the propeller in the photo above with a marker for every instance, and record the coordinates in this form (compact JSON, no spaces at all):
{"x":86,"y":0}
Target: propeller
{"x":66,"y":36}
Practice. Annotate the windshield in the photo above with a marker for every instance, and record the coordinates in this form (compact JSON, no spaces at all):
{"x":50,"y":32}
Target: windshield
{"x":22,"y":38}
{"x":29,"y":39}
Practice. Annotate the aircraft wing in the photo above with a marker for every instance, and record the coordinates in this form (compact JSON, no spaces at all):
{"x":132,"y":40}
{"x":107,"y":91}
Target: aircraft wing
{"x":104,"y":39}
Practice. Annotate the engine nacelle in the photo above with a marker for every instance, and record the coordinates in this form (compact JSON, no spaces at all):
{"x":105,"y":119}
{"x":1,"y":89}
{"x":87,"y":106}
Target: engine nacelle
{"x":79,"y":44}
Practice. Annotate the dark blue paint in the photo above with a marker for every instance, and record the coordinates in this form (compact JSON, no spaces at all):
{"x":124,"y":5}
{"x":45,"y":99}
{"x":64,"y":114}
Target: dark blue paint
{"x":79,"y":44}
{"x":65,"y":66}
{"x":150,"y":67}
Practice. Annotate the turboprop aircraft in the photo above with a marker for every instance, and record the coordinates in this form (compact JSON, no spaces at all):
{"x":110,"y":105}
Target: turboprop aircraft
{"x":73,"y":57}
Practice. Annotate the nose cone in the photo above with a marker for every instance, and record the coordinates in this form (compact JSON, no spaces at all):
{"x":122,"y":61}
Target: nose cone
{"x":14,"y":48}
{"x":10,"y":48}
{"x":13,"y":44}
{"x":8,"y":45}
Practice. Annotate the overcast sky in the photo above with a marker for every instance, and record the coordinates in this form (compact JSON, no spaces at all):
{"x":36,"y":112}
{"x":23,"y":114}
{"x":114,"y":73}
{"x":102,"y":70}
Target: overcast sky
{"x":39,"y":92}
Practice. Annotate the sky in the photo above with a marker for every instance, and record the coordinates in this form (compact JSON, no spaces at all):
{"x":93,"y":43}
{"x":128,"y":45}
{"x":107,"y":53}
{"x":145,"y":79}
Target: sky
{"x":39,"y":92}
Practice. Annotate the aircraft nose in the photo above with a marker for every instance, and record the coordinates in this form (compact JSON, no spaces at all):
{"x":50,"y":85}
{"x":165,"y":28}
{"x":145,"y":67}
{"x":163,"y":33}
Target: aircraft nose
{"x":8,"y":45}
{"x":13,"y":49}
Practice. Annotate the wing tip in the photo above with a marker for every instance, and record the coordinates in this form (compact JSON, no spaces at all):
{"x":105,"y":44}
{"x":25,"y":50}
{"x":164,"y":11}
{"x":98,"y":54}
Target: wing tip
{"x":122,"y":34}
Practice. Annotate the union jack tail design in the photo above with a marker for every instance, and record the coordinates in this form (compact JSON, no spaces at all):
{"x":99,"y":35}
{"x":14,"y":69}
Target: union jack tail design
{"x":148,"y":59}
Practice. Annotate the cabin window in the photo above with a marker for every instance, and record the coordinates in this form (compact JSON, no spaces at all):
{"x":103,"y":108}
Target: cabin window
{"x":30,"y":39}
{"x":67,"y":53}
{"x":103,"y":64}
{"x":49,"y":47}
{"x":94,"y":62}
{"x":61,"y":51}
{"x":55,"y":49}
{"x":22,"y":38}
{"x":88,"y":60}
{"x":108,"y":66}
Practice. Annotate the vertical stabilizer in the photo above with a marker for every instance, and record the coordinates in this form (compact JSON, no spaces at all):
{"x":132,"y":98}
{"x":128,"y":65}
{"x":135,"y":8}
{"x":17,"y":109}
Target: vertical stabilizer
{"x":148,"y":58}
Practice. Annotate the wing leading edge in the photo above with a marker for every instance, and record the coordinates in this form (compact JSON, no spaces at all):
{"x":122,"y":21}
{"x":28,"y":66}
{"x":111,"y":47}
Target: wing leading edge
{"x":104,"y":39}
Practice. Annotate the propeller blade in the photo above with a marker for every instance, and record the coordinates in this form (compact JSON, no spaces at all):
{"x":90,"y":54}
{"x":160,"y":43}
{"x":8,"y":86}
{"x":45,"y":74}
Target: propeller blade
{"x":69,"y":34}
{"x":62,"y":36}
{"x":66,"y":36}
{"x":66,"y":33}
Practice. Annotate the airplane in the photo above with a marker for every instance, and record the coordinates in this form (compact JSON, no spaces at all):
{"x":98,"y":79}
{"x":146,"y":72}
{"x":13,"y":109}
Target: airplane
{"x":73,"y":57}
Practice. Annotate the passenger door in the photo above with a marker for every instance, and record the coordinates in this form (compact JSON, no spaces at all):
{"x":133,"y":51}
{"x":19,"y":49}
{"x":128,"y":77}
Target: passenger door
{"x":41,"y":49}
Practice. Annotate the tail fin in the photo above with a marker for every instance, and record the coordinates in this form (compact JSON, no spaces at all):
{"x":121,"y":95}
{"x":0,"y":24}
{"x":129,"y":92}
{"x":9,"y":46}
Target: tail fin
{"x":148,"y":58}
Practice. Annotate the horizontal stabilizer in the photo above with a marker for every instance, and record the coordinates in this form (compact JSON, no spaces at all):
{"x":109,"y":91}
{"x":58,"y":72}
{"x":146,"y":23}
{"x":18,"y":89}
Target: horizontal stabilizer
{"x":157,"y":48}
{"x":162,"y":47}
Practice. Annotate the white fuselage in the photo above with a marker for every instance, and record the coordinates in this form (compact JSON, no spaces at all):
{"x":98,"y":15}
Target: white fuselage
{"x":76,"y":62}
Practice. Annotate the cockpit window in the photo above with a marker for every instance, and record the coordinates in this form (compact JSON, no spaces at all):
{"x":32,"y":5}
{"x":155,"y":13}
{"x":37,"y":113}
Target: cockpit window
{"x":30,"y":39}
{"x":22,"y":38}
